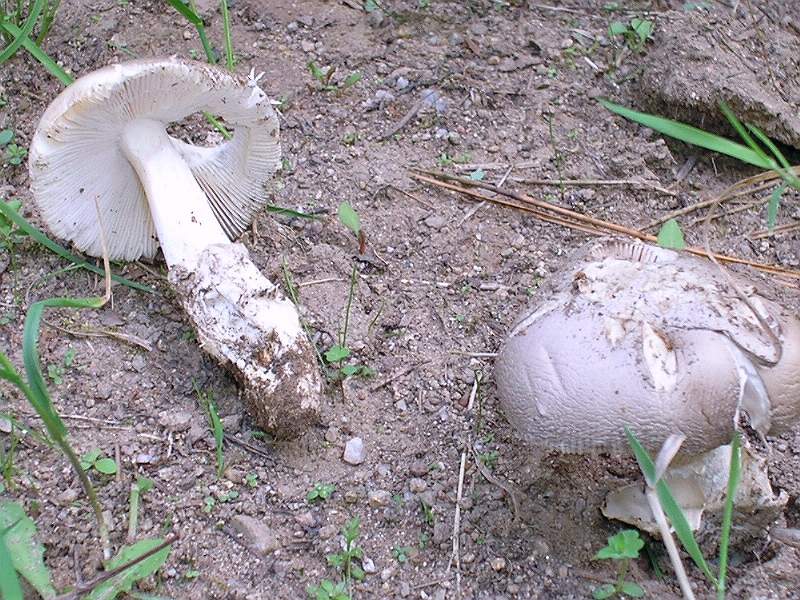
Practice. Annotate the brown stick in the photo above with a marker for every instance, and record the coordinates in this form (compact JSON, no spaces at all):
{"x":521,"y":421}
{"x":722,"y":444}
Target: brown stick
{"x":767,"y":179}
{"x":584,"y":223}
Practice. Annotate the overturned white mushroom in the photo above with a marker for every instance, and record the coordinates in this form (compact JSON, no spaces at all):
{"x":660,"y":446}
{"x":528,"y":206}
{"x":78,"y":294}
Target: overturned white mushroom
{"x":105,"y":139}
{"x":658,"y":341}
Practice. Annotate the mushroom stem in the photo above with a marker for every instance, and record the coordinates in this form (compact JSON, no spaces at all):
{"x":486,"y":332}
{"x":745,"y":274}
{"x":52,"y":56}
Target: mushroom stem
{"x":182,"y":216}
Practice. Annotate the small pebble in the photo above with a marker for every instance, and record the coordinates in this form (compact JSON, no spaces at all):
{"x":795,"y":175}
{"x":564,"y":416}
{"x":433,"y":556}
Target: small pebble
{"x":378,"y":498}
{"x":354,"y":451}
{"x":368,"y":565}
{"x":419,"y":468}
{"x":498,"y":563}
{"x":417,"y":485}
{"x":436,"y":221}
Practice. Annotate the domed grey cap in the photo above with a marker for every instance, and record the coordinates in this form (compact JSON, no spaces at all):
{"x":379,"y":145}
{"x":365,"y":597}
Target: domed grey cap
{"x":75,"y":156}
{"x":653,"y":339}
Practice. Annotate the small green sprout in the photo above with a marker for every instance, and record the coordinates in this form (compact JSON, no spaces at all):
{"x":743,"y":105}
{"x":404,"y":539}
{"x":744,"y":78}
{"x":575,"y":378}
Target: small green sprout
{"x":622,"y":547}
{"x":345,"y":560}
{"x":401,"y":553}
{"x":635,"y":32}
{"x":321,"y":491}
{"x":327,"y":590}
{"x":94,"y":459}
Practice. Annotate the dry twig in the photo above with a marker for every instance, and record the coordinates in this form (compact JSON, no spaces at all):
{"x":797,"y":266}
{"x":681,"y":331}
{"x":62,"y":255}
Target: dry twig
{"x":552,"y":213}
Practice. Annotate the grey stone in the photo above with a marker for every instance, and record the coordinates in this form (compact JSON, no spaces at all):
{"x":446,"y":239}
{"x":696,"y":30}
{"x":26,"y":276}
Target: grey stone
{"x":417,"y":485}
{"x":256,"y":534}
{"x":378,"y":498}
{"x":354,"y":451}
{"x":419,"y":468}
{"x":436,"y":221}
{"x":177,"y":420}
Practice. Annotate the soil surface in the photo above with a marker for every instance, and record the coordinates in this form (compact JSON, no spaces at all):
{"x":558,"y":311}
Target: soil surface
{"x":442,"y":281}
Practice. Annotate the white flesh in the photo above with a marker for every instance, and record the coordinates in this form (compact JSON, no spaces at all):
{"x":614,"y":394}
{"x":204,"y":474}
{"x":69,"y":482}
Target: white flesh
{"x":182,"y":216}
{"x":241,"y":318}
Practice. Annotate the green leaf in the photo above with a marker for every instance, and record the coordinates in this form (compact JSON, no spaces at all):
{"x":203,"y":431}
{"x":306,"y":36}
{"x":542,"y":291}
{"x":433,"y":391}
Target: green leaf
{"x":357,"y":572}
{"x":10,"y":588}
{"x":88,"y":459}
{"x":631,"y":589}
{"x":337,"y":353}
{"x":26,"y":553}
{"x":477,"y":175}
{"x":22,"y":35}
{"x":671,"y":236}
{"x":617,"y":28}
{"x":642,"y":28}
{"x":370,"y":5}
{"x":123,"y":581}
{"x":144,"y":484}
{"x":351,"y":79}
{"x":186,"y":12}
{"x":734,"y":477}
{"x":350,"y":370}
{"x":6,"y":136}
{"x":336,"y":560}
{"x":316,"y":72}
{"x":604,"y":591}
{"x":106,"y":466}
{"x":48,"y":63}
{"x":349,"y":218}
{"x":219,"y":434}
{"x":774,"y":204}
{"x":693,"y":135}
{"x":670,"y":506}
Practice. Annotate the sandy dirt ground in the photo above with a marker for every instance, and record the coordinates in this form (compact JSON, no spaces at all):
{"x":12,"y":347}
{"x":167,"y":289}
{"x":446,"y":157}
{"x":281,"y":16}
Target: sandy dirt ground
{"x":444,"y":279}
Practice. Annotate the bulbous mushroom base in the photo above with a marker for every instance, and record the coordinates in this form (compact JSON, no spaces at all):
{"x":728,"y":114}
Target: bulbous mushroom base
{"x":699,"y":487}
{"x":244,"y":321}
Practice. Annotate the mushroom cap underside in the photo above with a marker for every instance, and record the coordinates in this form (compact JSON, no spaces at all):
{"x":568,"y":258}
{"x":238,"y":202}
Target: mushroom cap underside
{"x":653,"y":339}
{"x":75,"y":158}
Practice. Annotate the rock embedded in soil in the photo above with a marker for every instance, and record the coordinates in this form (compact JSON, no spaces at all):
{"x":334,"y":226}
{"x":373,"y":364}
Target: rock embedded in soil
{"x":256,"y":534}
{"x":378,"y":498}
{"x":354,"y":451}
{"x":698,"y":61}
{"x":175,"y":420}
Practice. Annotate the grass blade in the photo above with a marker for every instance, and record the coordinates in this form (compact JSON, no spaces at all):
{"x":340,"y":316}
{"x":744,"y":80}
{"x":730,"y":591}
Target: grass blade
{"x":189,"y":13}
{"x":24,"y":33}
{"x":45,"y":241}
{"x":734,"y":477}
{"x":226,"y":24}
{"x":693,"y":135}
{"x":671,"y":507}
{"x":774,"y":204}
{"x":186,"y":12}
{"x":37,"y":53}
{"x":740,"y":129}
{"x":787,"y":174}
{"x":288,"y":212}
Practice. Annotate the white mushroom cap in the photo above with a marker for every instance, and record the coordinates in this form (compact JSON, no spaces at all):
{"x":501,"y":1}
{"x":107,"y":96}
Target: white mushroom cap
{"x":653,"y":339}
{"x":75,"y":155}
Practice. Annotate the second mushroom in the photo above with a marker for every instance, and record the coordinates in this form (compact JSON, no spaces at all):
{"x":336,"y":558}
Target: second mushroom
{"x":663,"y":343}
{"x":104,"y":142}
